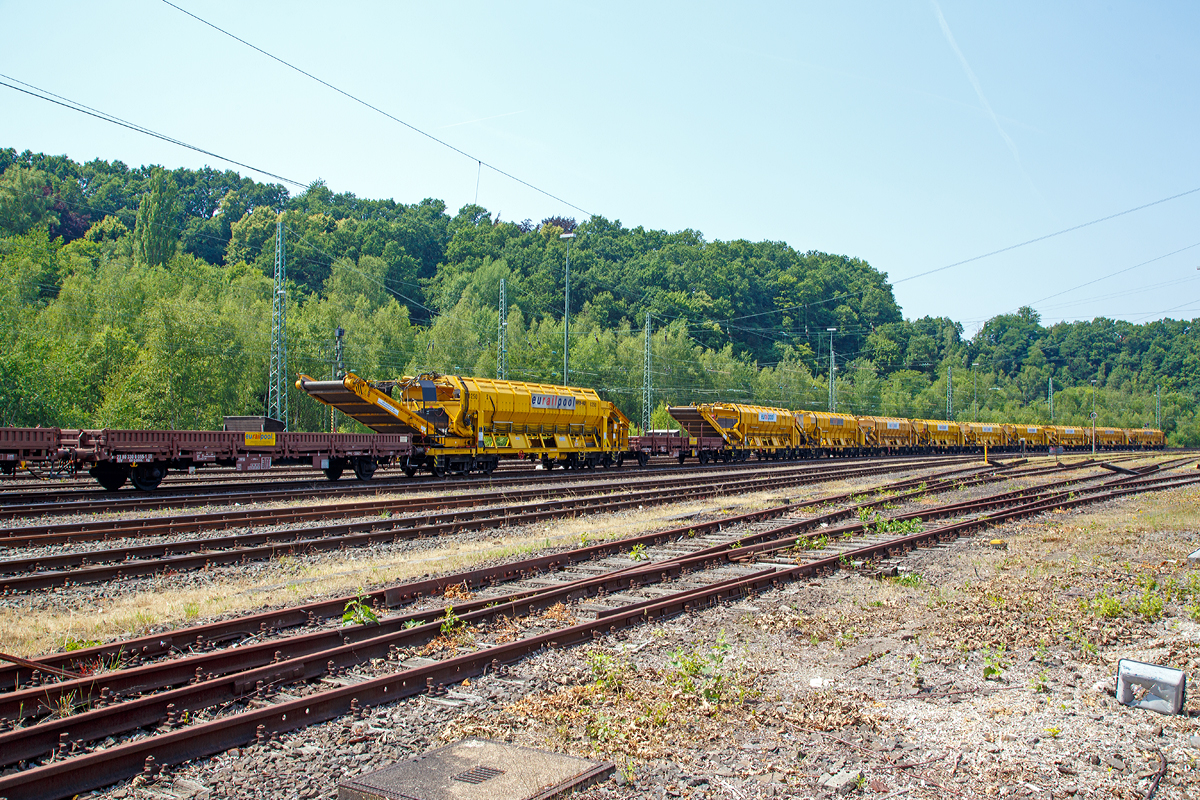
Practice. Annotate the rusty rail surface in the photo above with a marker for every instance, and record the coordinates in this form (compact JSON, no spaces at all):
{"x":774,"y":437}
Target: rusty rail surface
{"x":65,"y":777}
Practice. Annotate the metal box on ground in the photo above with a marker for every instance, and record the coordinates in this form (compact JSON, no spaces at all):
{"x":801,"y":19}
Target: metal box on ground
{"x":475,"y":769}
{"x":1150,"y":686}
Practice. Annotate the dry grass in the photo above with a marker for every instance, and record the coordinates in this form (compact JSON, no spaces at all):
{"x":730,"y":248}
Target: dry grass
{"x":48,"y":623}
{"x":1089,"y":578}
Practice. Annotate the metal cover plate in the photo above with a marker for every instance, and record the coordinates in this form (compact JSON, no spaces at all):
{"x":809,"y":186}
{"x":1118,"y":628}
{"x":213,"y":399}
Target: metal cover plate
{"x":475,"y":769}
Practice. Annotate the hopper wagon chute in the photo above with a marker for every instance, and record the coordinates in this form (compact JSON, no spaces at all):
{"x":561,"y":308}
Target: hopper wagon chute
{"x":733,"y":431}
{"x":939,"y":435}
{"x":464,"y":424}
{"x":986,"y":435}
{"x":887,"y":434}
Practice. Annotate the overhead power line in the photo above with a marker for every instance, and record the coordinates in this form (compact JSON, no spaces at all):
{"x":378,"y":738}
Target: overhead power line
{"x":480,"y":162}
{"x":1114,"y":274}
{"x":50,"y":97}
{"x":1047,"y":236}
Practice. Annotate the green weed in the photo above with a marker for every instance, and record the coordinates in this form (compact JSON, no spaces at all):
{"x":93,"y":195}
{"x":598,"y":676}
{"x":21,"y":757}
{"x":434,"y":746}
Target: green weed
{"x":994,"y":663}
{"x":701,"y":670}
{"x":451,"y":622}
{"x":912,"y":580}
{"x":357,"y":612}
{"x":79,"y":644}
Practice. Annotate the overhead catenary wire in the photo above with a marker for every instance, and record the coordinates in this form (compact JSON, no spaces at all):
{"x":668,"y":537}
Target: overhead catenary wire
{"x":59,"y":100}
{"x":480,"y":162}
{"x":1114,"y":274}
{"x":1047,"y":236}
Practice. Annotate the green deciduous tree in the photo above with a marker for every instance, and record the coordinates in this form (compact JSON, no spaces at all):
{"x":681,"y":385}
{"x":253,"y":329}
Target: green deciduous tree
{"x":156,"y":235}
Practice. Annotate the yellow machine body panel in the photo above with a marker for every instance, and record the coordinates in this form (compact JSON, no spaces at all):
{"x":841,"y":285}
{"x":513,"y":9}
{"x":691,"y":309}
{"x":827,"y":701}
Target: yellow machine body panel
{"x":464,"y":414}
{"x":991,"y":434}
{"x":1112,"y":437}
{"x":1146,"y":437}
{"x":823,"y":429}
{"x":938,"y":433}
{"x":1034,"y":435}
{"x":1069,"y":436}
{"x":756,"y":427}
{"x":526,"y":415}
{"x":887,"y":432}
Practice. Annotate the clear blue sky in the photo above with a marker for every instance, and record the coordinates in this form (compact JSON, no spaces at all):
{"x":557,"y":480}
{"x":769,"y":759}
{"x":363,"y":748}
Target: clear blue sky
{"x":909,"y":134}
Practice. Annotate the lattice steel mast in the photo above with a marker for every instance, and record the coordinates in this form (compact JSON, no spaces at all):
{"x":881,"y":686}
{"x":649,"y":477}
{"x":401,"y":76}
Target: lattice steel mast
{"x":277,"y":388}
{"x":338,"y":371}
{"x":832,"y":367}
{"x":502,"y":338}
{"x":647,"y":391}
{"x":949,"y":393}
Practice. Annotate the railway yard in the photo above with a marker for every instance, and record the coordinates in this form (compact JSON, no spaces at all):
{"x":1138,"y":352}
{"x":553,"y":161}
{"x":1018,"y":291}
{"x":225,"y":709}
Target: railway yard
{"x":922,"y":626}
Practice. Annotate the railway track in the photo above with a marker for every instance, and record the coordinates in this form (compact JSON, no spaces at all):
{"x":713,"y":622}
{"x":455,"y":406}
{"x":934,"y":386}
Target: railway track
{"x":425,"y":519}
{"x":31,"y":505}
{"x":601,"y":589}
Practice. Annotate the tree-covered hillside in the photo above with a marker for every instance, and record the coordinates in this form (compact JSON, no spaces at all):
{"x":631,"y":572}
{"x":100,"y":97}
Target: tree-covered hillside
{"x":141,"y":298}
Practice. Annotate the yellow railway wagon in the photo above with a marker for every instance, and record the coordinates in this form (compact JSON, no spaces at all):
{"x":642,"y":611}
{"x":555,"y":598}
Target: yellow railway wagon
{"x":938,"y":434}
{"x":1069,"y":437}
{"x":981,"y":434}
{"x":756,"y":428}
{"x":829,"y":433}
{"x":1034,"y":436}
{"x":888,"y":433}
{"x":734,"y":431}
{"x":464,"y":424}
{"x":1146,"y":439}
{"x":1112,"y":438}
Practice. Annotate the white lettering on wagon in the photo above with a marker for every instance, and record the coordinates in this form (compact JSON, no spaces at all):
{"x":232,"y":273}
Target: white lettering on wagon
{"x":552,"y":401}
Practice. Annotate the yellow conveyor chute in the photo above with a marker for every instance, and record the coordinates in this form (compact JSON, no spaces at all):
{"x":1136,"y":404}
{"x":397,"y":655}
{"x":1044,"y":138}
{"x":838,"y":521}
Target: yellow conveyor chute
{"x":359,"y":400}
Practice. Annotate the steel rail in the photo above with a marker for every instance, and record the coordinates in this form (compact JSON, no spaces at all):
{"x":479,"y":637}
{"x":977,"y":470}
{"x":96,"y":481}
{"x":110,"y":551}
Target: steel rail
{"x":213,"y":665}
{"x":297,"y":615}
{"x":16,"y":506}
{"x":313,"y":655}
{"x":242,"y":548}
{"x":174,"y":672}
{"x":73,"y":775}
{"x":199,"y":637}
{"x":90,"y":530}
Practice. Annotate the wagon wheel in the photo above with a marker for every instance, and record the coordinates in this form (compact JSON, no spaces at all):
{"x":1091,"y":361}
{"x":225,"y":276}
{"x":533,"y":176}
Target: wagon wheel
{"x":147,"y":477}
{"x":110,"y":476}
{"x":364,"y":468}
